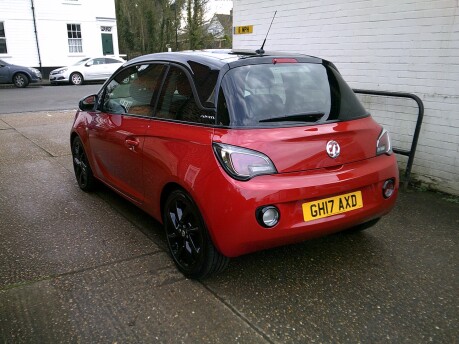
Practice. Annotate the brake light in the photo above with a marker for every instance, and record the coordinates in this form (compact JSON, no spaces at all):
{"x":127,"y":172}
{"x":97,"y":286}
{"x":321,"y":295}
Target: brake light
{"x":241,"y":163}
{"x":383,"y":145}
{"x":284,"y":60}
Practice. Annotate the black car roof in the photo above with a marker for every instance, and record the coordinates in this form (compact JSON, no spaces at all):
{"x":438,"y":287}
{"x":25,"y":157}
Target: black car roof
{"x":217,"y":58}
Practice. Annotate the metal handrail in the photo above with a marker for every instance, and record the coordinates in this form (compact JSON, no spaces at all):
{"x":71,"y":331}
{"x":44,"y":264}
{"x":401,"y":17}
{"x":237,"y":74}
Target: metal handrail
{"x":409,"y":153}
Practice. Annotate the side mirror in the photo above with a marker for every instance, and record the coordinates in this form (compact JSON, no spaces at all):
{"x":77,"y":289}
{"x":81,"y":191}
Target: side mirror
{"x":88,"y":103}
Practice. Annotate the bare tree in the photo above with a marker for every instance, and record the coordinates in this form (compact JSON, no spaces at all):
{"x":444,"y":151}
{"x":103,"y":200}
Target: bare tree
{"x":148,"y":26}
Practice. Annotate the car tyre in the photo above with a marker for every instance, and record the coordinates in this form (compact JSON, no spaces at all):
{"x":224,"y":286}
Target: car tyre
{"x":76,"y":78}
{"x":83,"y":171}
{"x":188,"y":240}
{"x":20,"y":80}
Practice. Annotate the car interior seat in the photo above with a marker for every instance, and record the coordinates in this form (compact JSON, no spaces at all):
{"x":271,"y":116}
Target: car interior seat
{"x":141,"y":91}
{"x":261,"y":101}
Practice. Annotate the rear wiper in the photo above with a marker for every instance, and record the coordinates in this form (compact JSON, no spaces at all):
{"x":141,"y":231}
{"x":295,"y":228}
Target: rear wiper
{"x":302,"y":117}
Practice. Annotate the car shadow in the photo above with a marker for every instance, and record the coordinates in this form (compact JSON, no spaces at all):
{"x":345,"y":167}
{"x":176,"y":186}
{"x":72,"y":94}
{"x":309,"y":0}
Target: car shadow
{"x":334,"y":254}
{"x":151,"y":228}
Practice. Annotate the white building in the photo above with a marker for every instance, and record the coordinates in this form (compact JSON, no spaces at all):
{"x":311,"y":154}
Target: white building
{"x":51,"y":34}
{"x":393,"y":45}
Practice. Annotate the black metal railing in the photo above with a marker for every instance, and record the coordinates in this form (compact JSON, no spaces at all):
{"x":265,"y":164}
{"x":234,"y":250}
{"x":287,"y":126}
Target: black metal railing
{"x":412,"y":151}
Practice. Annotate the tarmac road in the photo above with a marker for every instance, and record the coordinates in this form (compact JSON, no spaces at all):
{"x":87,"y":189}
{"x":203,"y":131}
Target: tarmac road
{"x":41,"y":97}
{"x":78,"y":267}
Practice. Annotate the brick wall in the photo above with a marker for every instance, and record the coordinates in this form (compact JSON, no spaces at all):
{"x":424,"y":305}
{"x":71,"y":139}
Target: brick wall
{"x":393,"y":45}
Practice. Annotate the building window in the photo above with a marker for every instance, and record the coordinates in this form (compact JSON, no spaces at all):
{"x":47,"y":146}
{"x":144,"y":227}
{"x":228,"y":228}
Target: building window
{"x":3,"y":49}
{"x":106,"y":28}
{"x":74,"y":36}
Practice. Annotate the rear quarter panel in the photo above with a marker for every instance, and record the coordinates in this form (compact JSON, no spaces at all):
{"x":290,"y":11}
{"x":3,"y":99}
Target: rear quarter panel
{"x":177,"y":154}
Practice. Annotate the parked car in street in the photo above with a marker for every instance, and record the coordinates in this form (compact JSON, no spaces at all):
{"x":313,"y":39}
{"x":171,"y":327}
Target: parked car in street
{"x":20,"y":76}
{"x":87,"y":69}
{"x":235,"y":152}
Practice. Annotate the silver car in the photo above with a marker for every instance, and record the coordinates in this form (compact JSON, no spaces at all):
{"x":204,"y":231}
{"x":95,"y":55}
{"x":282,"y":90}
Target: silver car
{"x":99,"y":68}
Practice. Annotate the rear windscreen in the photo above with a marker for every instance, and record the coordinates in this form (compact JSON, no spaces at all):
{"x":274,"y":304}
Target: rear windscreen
{"x":266,"y":95}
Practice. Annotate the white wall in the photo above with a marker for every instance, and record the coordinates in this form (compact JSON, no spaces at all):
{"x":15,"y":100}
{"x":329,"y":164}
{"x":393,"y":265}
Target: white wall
{"x":20,"y":39}
{"x":52,"y":18}
{"x":393,"y":45}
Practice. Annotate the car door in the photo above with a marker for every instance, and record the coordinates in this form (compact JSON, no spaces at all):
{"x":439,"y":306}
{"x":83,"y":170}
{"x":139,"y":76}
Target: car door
{"x":111,"y":65}
{"x":4,"y":72}
{"x":95,"y":69}
{"x":117,"y":132}
{"x":178,"y":143}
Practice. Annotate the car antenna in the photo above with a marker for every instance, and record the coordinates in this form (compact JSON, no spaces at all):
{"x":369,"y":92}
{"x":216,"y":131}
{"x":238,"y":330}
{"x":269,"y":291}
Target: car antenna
{"x":261,"y":51}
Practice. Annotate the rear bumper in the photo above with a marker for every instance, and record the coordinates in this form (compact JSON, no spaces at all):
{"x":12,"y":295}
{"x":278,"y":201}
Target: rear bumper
{"x":231,"y":219}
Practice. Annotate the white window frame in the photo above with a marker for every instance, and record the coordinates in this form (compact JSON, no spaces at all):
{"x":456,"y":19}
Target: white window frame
{"x":75,"y":40}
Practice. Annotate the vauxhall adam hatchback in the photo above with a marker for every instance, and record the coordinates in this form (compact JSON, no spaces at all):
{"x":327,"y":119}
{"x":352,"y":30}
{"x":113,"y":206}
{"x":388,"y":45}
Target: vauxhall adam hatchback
{"x":235,"y":152}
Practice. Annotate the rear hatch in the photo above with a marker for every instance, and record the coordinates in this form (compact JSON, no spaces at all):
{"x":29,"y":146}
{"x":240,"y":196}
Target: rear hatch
{"x":304,"y":148}
{"x":302,"y":115}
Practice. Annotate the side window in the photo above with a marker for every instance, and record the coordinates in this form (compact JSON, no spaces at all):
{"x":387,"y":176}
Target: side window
{"x":99,"y":61}
{"x":177,"y":101}
{"x":133,"y":90}
{"x":222,"y":109}
{"x":109,"y":60}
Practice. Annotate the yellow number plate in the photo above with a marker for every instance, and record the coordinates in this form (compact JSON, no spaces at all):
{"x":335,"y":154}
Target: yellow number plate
{"x":241,"y":30}
{"x":332,"y":206}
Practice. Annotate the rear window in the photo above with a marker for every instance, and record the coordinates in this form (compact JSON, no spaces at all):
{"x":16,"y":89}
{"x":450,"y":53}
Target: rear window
{"x":267,"y":95}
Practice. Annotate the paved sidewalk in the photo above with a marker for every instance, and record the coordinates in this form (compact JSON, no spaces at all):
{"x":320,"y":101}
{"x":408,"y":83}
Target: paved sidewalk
{"x":78,"y":267}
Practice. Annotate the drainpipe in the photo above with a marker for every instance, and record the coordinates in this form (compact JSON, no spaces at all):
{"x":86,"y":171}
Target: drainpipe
{"x":36,"y":36}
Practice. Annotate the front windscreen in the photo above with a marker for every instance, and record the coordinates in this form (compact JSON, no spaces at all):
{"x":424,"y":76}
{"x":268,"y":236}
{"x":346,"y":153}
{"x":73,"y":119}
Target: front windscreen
{"x":276,"y":94}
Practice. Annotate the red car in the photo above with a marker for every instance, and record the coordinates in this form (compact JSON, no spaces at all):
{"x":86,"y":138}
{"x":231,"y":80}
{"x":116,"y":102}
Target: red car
{"x":235,"y":152}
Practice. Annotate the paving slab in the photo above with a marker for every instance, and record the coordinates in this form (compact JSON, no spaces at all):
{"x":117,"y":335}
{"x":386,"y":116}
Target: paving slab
{"x":3,"y":125}
{"x":50,"y":139}
{"x":49,"y":130}
{"x":14,"y":147}
{"x":38,"y":119}
{"x":139,"y":300}
{"x":397,"y":282}
{"x":79,"y":267}
{"x":48,"y":226}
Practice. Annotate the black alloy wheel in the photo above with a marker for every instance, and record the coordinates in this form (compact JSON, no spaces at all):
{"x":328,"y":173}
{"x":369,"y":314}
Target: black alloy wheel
{"x":83,"y":172}
{"x":188,"y":240}
{"x":20,"y":80}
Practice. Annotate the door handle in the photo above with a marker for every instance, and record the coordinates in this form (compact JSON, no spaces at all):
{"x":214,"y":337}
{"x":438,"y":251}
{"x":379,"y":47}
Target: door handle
{"x":131,"y":144}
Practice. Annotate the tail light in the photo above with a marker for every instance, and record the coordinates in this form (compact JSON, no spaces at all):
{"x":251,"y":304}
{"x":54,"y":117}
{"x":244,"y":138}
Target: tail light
{"x":383,"y":145}
{"x":241,"y":163}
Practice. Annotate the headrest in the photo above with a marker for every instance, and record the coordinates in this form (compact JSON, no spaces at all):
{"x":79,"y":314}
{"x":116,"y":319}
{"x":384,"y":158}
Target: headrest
{"x":183,"y":85}
{"x":260,"y":78}
{"x":141,"y":90}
